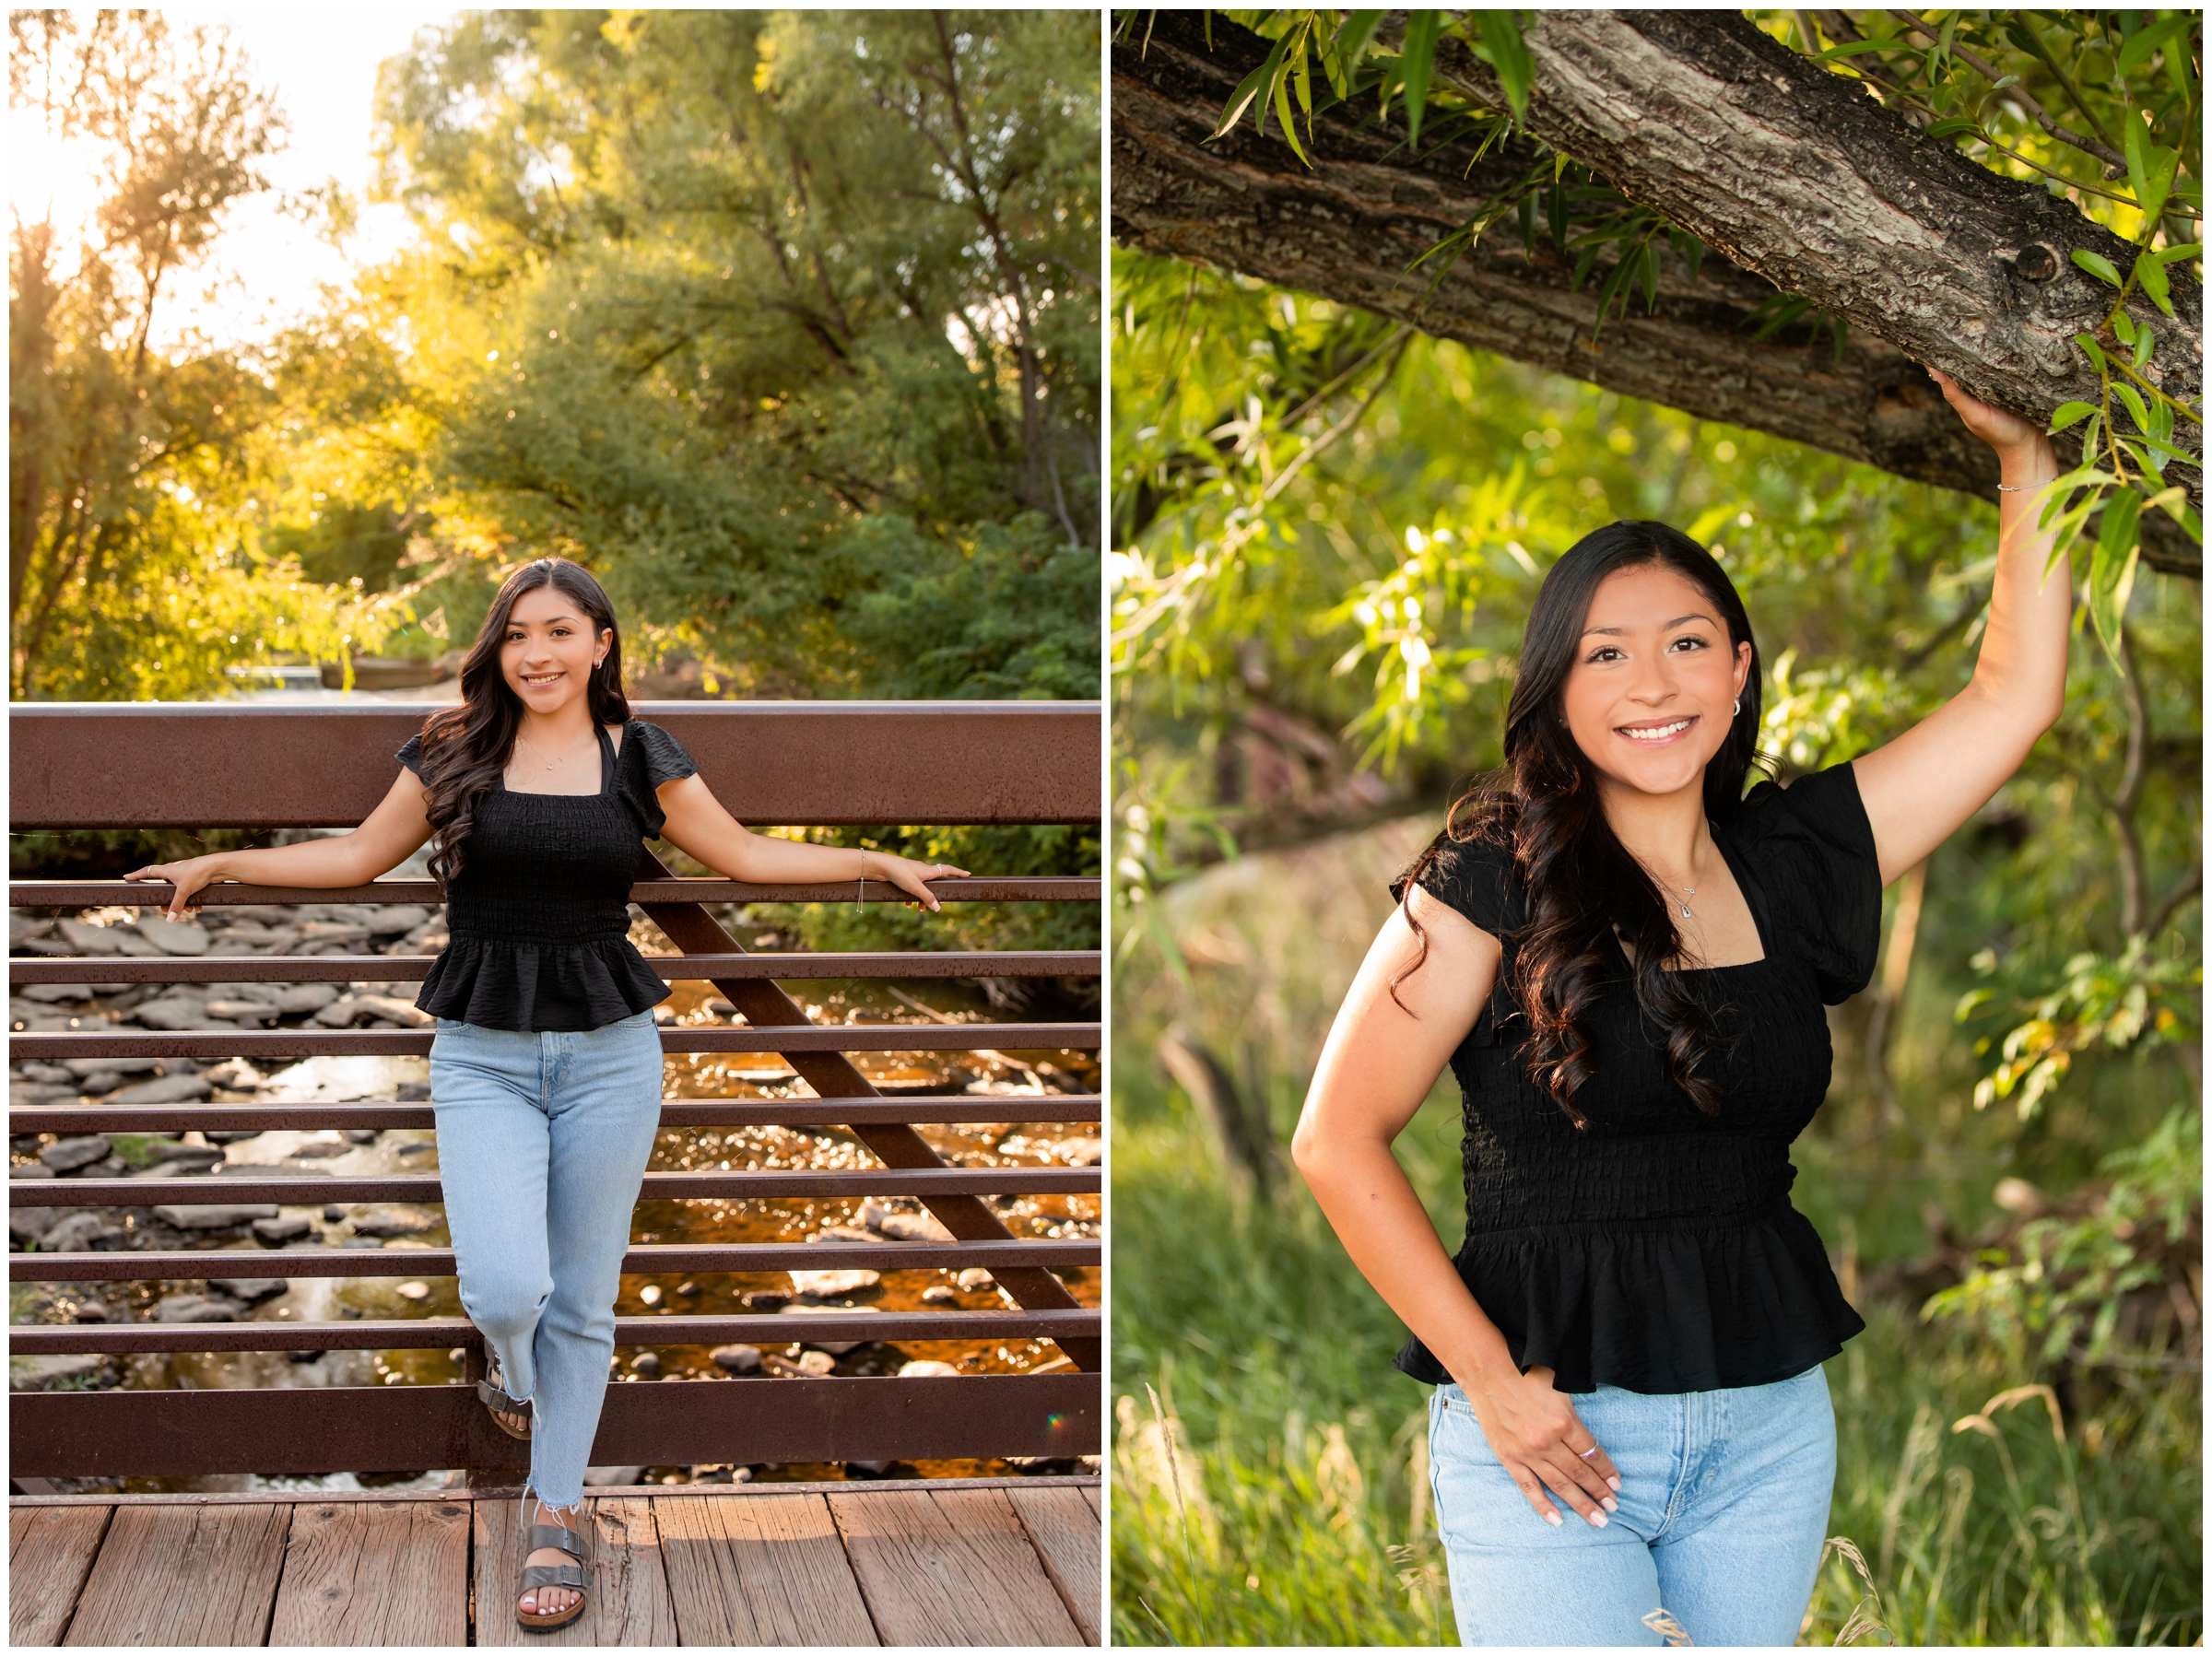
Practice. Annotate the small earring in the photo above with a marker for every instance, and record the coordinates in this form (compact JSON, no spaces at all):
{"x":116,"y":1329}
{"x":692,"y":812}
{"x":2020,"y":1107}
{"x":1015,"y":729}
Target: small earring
{"x":1739,"y":704}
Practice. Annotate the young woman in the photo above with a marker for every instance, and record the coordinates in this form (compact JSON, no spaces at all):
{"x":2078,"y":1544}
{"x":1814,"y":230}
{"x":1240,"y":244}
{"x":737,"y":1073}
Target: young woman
{"x":1624,"y":959}
{"x":546,"y":1069}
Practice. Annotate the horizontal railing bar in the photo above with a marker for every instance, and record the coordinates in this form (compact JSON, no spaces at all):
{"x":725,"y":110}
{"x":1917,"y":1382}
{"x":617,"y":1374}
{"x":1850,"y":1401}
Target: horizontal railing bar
{"x":642,"y":1260}
{"x":380,"y":1428}
{"x":674,"y":1112}
{"x":146,"y":894}
{"x":660,"y":1492}
{"x":306,"y":1189}
{"x":245,"y":765}
{"x":674,"y":1038}
{"x":429,"y":1334}
{"x":408,"y":968}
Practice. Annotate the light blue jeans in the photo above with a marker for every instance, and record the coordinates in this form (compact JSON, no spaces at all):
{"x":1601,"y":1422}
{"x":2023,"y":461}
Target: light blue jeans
{"x":542,"y":1145}
{"x":1723,"y":1514}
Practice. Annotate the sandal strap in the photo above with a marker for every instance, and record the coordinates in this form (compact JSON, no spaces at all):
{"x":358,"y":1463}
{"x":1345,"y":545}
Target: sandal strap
{"x":494,"y":1398}
{"x":555,"y":1535}
{"x":556,"y":1575}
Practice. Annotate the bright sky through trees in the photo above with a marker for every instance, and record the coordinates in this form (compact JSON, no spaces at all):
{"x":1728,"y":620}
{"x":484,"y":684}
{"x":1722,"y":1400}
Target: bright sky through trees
{"x":273,"y":255}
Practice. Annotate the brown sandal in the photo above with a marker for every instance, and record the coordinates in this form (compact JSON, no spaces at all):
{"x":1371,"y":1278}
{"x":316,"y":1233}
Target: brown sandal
{"x":572,"y":1576}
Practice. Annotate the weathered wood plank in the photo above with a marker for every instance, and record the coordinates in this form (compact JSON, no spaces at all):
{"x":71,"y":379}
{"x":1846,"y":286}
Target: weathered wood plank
{"x":955,"y":1568}
{"x":627,"y":1602}
{"x":765,"y":1571}
{"x":389,"y":1573}
{"x":185,"y":1576}
{"x":1096,"y":1495}
{"x":1065,"y":1531}
{"x":50,"y":1553}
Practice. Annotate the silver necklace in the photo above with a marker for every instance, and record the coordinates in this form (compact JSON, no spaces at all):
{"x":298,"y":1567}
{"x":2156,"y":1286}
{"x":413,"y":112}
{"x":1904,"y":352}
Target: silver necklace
{"x":534,"y":748}
{"x":1687,"y":892}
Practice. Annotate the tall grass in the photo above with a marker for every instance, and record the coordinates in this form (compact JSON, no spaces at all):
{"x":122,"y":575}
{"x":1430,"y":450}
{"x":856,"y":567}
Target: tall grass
{"x":1270,"y":1478}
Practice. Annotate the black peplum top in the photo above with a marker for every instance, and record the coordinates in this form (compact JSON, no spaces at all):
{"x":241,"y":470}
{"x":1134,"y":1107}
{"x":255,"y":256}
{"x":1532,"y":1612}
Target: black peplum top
{"x":539,"y":915}
{"x":1655,"y":1250}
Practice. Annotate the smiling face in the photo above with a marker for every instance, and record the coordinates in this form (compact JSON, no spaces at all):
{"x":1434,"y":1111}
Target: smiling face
{"x":550,"y":649}
{"x":1650,"y":697}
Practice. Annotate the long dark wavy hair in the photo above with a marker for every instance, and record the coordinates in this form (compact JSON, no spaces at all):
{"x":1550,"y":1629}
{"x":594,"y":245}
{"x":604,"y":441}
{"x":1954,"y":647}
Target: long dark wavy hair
{"x":465,"y":749}
{"x":1583,"y":888}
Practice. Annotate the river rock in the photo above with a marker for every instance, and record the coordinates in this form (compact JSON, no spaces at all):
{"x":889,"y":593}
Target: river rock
{"x":173,"y":937}
{"x":251,"y":1289}
{"x":820,"y":1362}
{"x":339,"y":1013}
{"x":168,"y":1152}
{"x":38,"y":1092}
{"x":100,"y":1082}
{"x":612,"y":1477}
{"x":737,"y":1359}
{"x":134,"y":944}
{"x":47,"y":1373}
{"x":763,"y":1299}
{"x":176,"y":1014}
{"x":834,"y":1285}
{"x":395,"y":1222}
{"x":276,"y":1233}
{"x":923,"y":1368}
{"x":52,"y":995}
{"x":974,"y":1279}
{"x":81,"y":1067}
{"x":390,"y":919}
{"x":940,"y":1295}
{"x":73,"y":1153}
{"x":59,"y":1076}
{"x":306,"y":997}
{"x":164,"y":1089}
{"x":361,"y":1242}
{"x":90,"y":939}
{"x":27,"y":1225}
{"x":30,"y":1170}
{"x":81,"y":1233}
{"x":834,"y":1347}
{"x":215,"y":1215}
{"x":405,"y":1014}
{"x":646,"y":1364}
{"x":193,"y":1307}
{"x":248,"y":1014}
{"x":1079,"y":1151}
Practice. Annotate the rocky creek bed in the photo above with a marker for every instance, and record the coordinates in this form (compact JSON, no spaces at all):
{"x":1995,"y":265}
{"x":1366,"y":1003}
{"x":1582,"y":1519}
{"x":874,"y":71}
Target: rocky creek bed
{"x":240,"y":1232}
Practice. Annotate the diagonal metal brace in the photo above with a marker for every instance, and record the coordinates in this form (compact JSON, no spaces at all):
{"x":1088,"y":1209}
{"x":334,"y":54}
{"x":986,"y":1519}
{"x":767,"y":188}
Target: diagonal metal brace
{"x":833,"y":1075}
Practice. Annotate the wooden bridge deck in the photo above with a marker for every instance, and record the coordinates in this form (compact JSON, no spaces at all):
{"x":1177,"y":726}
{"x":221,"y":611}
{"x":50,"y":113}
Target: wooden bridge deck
{"x":999,"y":1561}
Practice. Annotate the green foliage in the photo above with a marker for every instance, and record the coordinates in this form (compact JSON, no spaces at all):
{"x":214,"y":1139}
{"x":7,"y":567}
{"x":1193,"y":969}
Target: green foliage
{"x":1988,"y":79}
{"x":782,"y":321}
{"x":2071,"y":1273}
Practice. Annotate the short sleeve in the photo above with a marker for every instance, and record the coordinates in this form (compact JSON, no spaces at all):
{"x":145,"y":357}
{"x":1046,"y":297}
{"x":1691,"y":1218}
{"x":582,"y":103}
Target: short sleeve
{"x":660,"y":758}
{"x":1475,"y":876}
{"x":1812,"y":848}
{"x":410,"y":753}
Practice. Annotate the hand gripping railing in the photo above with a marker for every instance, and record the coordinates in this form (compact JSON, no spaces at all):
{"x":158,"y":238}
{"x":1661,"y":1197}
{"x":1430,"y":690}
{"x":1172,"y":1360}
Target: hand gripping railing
{"x":778,"y":763}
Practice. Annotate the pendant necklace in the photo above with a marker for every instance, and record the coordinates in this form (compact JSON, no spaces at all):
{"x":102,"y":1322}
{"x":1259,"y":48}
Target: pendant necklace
{"x":534,"y":747}
{"x":1687,"y":892}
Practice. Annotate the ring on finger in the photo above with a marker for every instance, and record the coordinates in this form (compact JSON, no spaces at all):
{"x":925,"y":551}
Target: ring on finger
{"x":1586,"y":1453}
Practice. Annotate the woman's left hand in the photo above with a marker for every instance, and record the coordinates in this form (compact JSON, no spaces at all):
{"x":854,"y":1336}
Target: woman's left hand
{"x":2000,"y":431}
{"x":913,"y":877}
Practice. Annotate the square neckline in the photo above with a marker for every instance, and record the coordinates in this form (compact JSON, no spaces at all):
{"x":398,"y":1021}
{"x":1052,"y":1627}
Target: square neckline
{"x":1766,"y":944}
{"x":608,"y":759}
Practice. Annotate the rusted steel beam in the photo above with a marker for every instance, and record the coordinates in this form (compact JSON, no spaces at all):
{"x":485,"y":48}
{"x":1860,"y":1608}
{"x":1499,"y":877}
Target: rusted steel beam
{"x":674,"y":1112}
{"x":643,"y":1259}
{"x":262,"y":765}
{"x":985,"y":888}
{"x":414,"y":1429}
{"x":308,"y":1189}
{"x":674,"y":1038}
{"x":831,"y":1074}
{"x":396,"y":968}
{"x":430,"y":1333}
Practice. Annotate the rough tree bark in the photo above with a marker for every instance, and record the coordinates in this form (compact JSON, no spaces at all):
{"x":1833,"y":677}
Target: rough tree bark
{"x":1790,"y":175}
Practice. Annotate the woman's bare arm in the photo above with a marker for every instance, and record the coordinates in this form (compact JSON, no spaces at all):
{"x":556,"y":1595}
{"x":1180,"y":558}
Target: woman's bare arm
{"x":1377,"y":1066}
{"x":394,"y":831}
{"x":1920,"y":788}
{"x":698,"y":825}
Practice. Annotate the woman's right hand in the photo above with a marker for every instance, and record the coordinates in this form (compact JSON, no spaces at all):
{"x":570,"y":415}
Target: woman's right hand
{"x":1542,"y":1442}
{"x":188,"y":877}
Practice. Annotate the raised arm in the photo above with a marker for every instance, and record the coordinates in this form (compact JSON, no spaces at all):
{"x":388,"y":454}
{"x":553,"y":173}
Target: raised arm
{"x":1379,"y":1062}
{"x":696,"y":824}
{"x":394,"y":831}
{"x":1920,"y":788}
